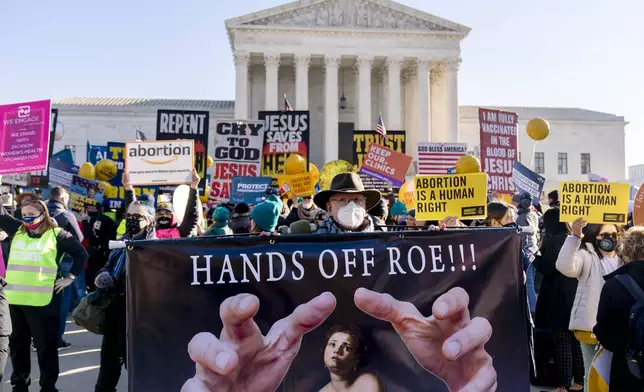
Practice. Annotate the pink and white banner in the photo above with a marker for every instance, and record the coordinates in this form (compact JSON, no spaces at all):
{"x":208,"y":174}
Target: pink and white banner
{"x":24,"y":137}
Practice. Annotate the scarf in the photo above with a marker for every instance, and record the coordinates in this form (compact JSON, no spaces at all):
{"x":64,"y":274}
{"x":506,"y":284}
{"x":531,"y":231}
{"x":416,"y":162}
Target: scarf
{"x":330,"y":226}
{"x":304,"y":214}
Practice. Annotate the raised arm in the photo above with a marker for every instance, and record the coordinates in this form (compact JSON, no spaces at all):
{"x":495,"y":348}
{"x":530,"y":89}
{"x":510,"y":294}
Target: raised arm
{"x":192,"y":213}
{"x":8,"y":223}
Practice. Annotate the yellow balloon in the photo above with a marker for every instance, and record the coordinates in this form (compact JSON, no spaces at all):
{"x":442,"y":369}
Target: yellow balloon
{"x":468,"y":164}
{"x":538,"y":129}
{"x":110,"y":192}
{"x":407,"y":194}
{"x":106,"y":169}
{"x":331,"y":169}
{"x":210,"y":161}
{"x":294,"y":164}
{"x":87,"y":170}
{"x":315,"y":173}
{"x":204,"y":197}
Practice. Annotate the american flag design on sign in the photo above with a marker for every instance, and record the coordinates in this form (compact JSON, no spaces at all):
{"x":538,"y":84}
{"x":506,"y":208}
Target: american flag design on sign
{"x":438,"y":158}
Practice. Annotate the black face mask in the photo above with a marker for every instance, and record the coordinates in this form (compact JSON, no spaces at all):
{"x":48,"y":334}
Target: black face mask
{"x":132,"y":226}
{"x":164,"y":222}
{"x":607,"y":244}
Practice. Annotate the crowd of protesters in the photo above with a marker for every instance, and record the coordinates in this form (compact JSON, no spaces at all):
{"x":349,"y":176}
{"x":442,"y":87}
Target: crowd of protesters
{"x":569,"y":269}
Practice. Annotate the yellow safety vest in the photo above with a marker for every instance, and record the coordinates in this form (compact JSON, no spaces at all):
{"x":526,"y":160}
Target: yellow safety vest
{"x":32,"y":269}
{"x":120,"y":230}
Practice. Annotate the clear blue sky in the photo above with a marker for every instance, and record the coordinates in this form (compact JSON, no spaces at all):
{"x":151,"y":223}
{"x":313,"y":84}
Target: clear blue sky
{"x":571,"y":53}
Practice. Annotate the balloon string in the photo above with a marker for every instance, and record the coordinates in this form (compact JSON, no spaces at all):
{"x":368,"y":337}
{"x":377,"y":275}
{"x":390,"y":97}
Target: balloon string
{"x":534,"y":149}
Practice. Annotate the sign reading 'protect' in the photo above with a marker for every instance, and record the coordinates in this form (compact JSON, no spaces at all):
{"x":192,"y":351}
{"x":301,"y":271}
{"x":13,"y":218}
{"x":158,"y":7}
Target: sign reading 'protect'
{"x":159,"y":162}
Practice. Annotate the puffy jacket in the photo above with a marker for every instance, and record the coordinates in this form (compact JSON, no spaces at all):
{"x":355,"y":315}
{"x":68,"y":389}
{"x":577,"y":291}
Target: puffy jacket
{"x":585,"y":265}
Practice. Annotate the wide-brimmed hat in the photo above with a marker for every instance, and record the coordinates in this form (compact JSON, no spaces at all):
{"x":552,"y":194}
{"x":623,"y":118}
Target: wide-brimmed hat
{"x":347,"y":183}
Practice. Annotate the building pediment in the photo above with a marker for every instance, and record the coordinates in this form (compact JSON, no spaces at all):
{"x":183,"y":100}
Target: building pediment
{"x":347,"y":14}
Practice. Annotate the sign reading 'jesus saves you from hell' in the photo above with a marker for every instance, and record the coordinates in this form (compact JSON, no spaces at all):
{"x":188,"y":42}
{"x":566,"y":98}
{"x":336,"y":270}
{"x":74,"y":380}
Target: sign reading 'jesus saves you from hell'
{"x":159,"y":162}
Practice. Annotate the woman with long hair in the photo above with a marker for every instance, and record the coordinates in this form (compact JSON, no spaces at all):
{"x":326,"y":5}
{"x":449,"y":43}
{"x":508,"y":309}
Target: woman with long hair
{"x":588,"y":255}
{"x":33,"y":290}
{"x":345,"y":356}
{"x":110,"y":281}
{"x":554,"y":304}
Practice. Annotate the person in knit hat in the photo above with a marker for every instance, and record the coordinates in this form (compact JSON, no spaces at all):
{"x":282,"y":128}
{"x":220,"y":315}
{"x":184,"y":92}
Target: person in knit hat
{"x":239,"y":221}
{"x":553,"y":199}
{"x":379,"y":214}
{"x":220,"y":227}
{"x":397,"y":213}
{"x":265,"y":215}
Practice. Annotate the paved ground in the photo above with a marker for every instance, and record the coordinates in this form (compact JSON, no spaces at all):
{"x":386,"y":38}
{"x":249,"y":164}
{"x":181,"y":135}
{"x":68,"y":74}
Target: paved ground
{"x":79,"y":365}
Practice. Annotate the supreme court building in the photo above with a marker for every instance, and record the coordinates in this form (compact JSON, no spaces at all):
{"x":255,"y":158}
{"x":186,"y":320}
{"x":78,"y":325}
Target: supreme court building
{"x":347,"y":62}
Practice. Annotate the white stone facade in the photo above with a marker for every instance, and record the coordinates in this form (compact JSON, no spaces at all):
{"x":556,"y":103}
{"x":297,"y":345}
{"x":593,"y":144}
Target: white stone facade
{"x":573,"y":131}
{"x":383,"y":57}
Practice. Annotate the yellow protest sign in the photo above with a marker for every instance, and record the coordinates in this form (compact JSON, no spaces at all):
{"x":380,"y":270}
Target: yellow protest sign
{"x":460,"y":195}
{"x":298,"y":185}
{"x":596,"y":202}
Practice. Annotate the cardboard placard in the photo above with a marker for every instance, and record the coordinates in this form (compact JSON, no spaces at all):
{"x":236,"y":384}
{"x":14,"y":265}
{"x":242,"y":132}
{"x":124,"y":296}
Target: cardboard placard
{"x":24,"y":137}
{"x":596,"y":202}
{"x":459,"y":195}
{"x":499,"y":148}
{"x":158,"y":162}
{"x":298,"y":185}
{"x":386,"y":164}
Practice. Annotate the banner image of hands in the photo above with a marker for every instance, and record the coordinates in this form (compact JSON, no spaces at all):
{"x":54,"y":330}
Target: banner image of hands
{"x":423,"y":311}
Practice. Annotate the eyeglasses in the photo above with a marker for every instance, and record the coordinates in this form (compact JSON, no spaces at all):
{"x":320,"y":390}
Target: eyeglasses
{"x":28,"y":201}
{"x":137,"y":217}
{"x":343,"y":201}
{"x":606,"y":236}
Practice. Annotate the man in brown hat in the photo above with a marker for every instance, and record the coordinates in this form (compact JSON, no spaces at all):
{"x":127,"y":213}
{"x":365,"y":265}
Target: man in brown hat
{"x":346,"y":204}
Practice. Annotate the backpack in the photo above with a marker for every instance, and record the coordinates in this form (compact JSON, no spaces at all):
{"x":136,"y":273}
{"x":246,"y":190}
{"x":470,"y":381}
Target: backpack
{"x":635,"y":343}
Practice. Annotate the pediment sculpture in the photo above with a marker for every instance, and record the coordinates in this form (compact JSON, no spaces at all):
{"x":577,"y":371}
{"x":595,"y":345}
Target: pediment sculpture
{"x":349,"y":14}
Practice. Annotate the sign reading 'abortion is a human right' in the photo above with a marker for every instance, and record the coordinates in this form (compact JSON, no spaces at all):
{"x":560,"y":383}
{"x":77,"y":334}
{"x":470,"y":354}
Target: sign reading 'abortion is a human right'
{"x":594,"y":201}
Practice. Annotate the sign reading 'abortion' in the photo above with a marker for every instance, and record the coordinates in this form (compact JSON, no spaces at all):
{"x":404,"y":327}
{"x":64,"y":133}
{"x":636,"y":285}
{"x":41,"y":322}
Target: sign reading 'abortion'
{"x":191,"y":125}
{"x":285,"y":133}
{"x":159,"y":162}
{"x":238,"y":152}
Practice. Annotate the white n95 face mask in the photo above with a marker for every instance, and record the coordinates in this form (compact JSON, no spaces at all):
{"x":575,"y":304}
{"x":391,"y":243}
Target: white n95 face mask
{"x":351,"y":216}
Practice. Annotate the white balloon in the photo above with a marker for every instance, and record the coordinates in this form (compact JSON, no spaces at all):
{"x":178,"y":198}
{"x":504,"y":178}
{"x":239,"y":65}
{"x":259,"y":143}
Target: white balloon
{"x":180,"y":201}
{"x":60,"y":131}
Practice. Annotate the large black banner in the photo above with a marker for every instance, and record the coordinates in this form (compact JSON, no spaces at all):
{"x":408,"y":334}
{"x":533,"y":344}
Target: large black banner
{"x":176,"y":288}
{"x":186,"y":124}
